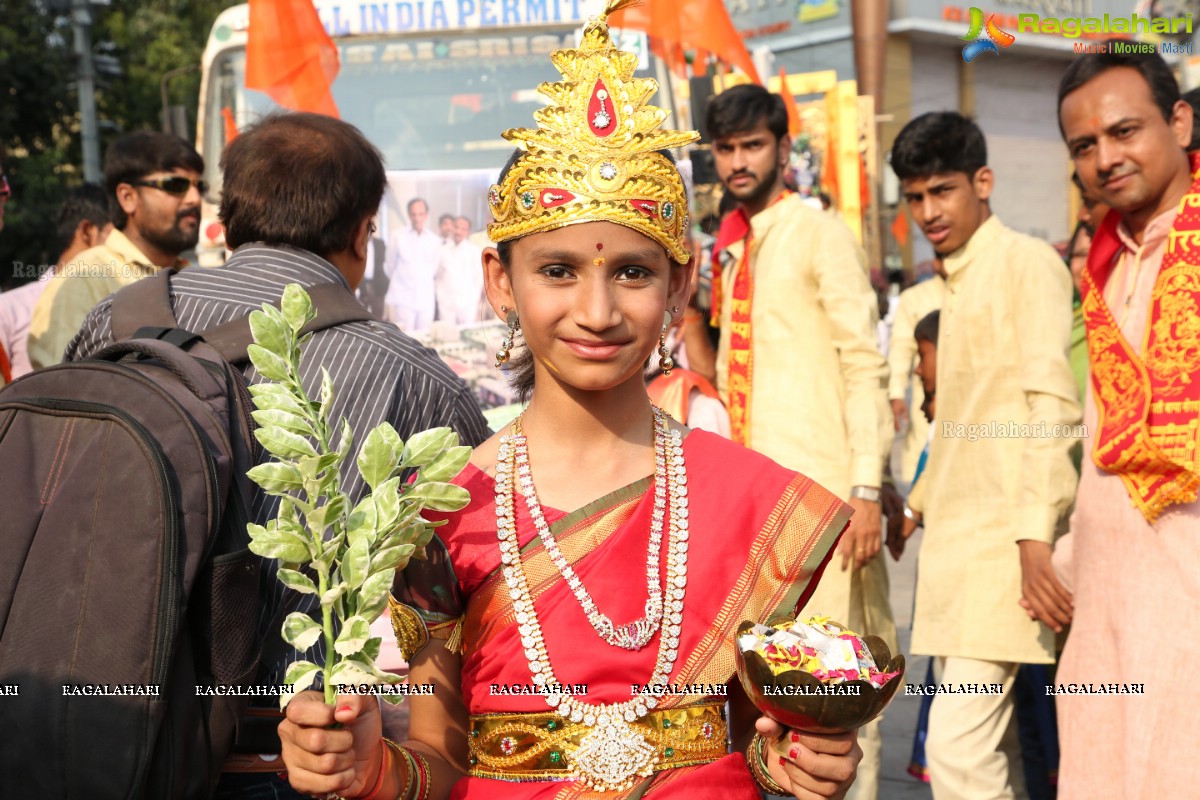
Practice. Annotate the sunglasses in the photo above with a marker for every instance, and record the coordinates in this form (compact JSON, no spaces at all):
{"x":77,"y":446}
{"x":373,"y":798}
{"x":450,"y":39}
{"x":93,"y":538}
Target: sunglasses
{"x":176,"y":185}
{"x":5,"y":189}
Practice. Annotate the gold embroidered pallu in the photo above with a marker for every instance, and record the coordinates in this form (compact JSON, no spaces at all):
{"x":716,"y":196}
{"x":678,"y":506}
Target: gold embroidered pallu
{"x":1149,"y":402}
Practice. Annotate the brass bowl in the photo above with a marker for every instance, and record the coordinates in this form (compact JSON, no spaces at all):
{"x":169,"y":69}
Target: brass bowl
{"x":818,"y":713}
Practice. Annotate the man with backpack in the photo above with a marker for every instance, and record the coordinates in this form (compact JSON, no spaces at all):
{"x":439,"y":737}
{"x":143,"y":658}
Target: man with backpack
{"x":298,"y":200}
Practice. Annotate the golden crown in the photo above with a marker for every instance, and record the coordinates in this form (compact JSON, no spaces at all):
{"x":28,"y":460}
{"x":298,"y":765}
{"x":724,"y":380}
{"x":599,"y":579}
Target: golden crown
{"x":595,"y":153}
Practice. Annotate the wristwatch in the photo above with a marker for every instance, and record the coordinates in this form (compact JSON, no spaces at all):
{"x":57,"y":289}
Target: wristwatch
{"x":868,"y":493}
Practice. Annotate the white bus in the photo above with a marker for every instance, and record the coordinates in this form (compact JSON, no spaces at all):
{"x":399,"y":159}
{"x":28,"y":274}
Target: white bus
{"x":432,"y":83}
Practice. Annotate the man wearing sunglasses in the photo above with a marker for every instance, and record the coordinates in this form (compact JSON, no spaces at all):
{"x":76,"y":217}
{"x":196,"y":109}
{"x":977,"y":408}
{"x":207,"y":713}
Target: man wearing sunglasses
{"x":154,"y":188}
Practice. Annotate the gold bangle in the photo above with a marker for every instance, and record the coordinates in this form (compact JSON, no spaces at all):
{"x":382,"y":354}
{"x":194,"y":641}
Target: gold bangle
{"x":758,"y":767}
{"x":423,"y":781}
{"x":411,"y":767}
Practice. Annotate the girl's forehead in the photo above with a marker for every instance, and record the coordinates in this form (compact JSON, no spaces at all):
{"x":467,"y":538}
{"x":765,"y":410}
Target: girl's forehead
{"x":586,"y":238}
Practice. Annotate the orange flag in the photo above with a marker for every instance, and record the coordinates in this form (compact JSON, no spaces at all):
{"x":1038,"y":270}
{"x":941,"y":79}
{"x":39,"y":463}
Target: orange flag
{"x":290,"y":56}
{"x":900,"y":228}
{"x":789,"y":100}
{"x":695,"y":24}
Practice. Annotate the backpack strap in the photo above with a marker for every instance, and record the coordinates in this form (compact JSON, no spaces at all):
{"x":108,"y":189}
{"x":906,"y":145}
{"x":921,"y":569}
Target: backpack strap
{"x":146,"y":303}
{"x":334,"y":303}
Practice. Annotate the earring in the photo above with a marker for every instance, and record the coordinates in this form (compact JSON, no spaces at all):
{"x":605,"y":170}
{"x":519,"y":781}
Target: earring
{"x":514,"y":324}
{"x":666,"y":361}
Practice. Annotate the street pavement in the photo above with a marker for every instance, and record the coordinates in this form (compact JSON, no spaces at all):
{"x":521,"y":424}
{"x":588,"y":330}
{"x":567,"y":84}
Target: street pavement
{"x":900,"y":721}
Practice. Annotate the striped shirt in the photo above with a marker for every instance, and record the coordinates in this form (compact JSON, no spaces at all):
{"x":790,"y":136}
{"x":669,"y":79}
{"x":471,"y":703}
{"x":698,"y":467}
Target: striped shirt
{"x":379,"y":374}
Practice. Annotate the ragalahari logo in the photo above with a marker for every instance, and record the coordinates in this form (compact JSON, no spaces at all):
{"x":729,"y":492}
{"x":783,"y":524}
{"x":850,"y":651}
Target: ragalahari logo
{"x":995,"y":39}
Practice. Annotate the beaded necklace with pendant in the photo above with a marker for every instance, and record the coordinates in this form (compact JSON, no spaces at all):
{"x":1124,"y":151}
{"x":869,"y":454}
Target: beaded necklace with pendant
{"x":614,"y":753}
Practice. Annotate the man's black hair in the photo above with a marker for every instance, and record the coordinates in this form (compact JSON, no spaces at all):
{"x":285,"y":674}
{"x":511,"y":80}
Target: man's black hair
{"x":1192,"y":98}
{"x":142,"y":153}
{"x":1150,"y":66}
{"x":937,"y":143}
{"x":742,"y":108}
{"x":927,"y":329}
{"x":87,"y":202}
{"x":299,"y":179}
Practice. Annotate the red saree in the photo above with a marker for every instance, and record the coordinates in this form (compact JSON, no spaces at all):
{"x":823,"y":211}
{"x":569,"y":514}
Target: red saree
{"x":760,"y":537}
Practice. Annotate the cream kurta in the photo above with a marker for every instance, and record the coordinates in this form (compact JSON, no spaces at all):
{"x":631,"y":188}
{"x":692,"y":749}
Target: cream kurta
{"x":915,"y":303}
{"x":1003,"y":343}
{"x":78,"y":286}
{"x":818,"y":403}
{"x":1129,"y":578}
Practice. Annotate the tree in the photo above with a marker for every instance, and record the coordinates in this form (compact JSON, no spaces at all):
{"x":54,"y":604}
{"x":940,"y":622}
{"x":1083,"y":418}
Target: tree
{"x":36,"y":123}
{"x":39,"y":109}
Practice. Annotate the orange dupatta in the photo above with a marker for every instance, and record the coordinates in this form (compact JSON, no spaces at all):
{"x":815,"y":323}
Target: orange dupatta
{"x":1149,"y":403}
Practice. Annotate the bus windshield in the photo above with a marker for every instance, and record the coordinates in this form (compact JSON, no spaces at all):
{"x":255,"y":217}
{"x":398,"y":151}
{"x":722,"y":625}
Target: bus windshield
{"x":427,"y":104}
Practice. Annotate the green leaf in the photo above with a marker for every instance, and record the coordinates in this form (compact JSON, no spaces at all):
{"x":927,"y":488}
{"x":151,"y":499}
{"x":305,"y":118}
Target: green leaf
{"x":446,"y":466}
{"x":282,"y":544}
{"x":372,"y":598}
{"x":321,"y":518}
{"x":283,"y":443}
{"x":297,"y":581}
{"x":351,"y":672}
{"x":277,"y":477}
{"x":287,"y":420}
{"x":296,"y":306}
{"x":393,"y":557}
{"x":327,"y":393}
{"x":269,"y":365}
{"x":440,"y":496}
{"x":355,"y":563}
{"x":361,"y":523}
{"x":376,"y":458}
{"x":346,"y":442}
{"x":425,"y":446}
{"x":300,"y":675}
{"x":387,"y":503}
{"x":391,"y":437}
{"x":269,"y":332}
{"x":371,"y":648}
{"x":331,"y":595}
{"x":353,"y":637}
{"x":277,"y":396}
{"x":300,"y":631}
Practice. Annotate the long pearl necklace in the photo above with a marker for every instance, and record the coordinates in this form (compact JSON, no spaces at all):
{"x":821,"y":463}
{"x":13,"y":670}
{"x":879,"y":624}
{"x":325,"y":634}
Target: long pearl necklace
{"x":632,"y":635}
{"x":614,"y":752}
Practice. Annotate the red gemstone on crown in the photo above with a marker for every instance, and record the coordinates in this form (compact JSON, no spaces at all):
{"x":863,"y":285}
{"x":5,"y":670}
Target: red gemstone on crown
{"x":601,"y":112}
{"x":552,"y":198}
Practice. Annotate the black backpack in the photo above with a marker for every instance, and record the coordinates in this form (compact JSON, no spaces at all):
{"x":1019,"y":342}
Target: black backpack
{"x":125,"y":579}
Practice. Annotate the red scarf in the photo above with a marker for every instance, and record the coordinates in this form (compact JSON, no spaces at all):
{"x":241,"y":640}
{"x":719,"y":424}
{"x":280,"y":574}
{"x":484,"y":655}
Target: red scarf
{"x":1149,"y":403}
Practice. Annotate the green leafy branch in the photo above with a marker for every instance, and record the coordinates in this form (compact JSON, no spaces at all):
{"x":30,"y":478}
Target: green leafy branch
{"x":354,"y":553}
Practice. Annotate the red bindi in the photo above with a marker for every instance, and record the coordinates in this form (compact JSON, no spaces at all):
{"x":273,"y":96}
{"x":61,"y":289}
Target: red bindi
{"x":599,"y":246}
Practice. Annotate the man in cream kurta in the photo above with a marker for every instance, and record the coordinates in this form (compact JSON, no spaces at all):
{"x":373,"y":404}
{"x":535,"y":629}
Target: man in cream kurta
{"x":1124,"y":571}
{"x":817,"y":401}
{"x":999,"y":479}
{"x":75,"y":288}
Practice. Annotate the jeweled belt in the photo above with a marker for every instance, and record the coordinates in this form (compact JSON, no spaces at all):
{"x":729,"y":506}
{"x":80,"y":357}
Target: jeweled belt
{"x":547,"y":747}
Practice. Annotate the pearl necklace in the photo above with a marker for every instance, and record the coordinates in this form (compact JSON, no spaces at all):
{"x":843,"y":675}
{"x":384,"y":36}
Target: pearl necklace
{"x":632,"y":635}
{"x":614,"y":752}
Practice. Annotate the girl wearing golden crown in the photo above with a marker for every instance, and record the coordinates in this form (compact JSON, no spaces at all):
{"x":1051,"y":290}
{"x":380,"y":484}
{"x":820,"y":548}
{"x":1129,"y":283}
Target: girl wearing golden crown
{"x":564,"y":666}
